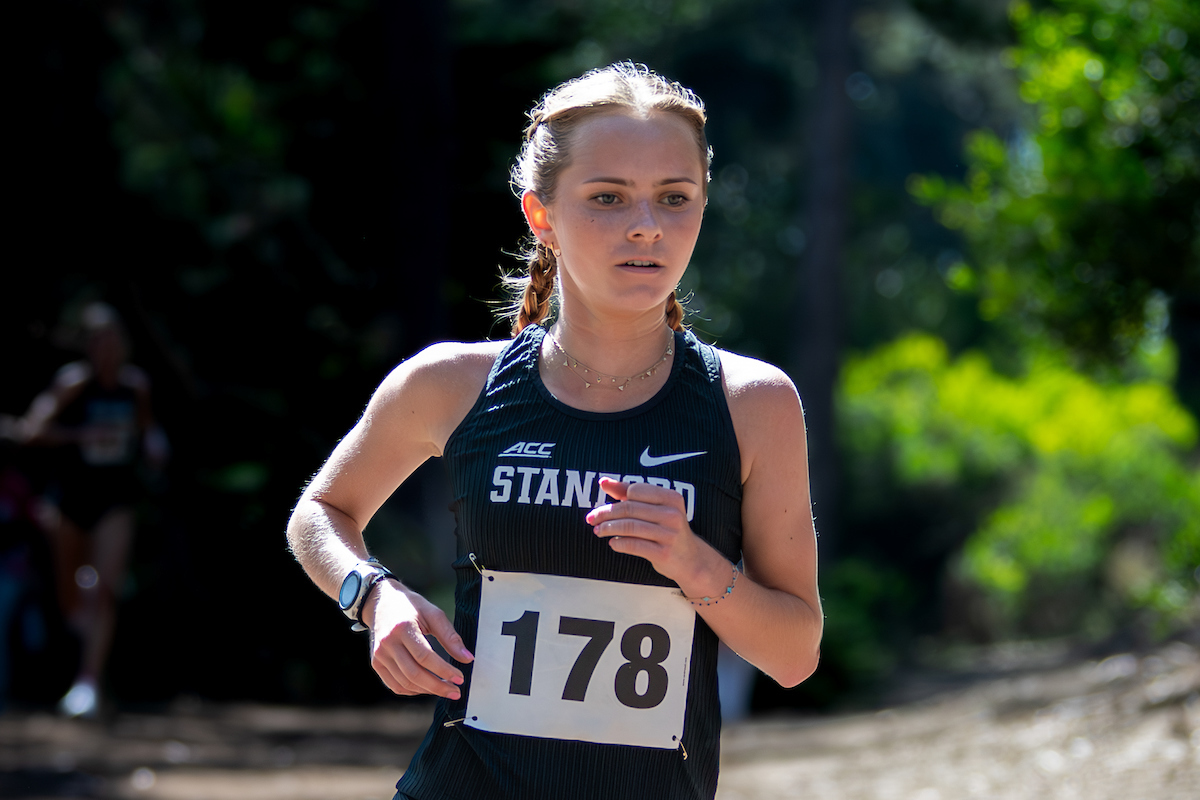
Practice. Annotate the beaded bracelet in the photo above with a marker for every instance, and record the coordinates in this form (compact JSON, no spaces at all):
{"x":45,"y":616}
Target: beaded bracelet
{"x":712,"y":601}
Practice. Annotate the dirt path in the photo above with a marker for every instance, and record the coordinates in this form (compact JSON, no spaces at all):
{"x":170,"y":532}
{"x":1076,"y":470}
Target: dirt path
{"x":1125,"y":728}
{"x":1122,"y":729}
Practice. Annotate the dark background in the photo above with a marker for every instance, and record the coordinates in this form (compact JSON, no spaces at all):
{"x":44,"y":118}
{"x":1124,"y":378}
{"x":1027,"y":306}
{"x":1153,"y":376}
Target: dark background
{"x":284,"y":200}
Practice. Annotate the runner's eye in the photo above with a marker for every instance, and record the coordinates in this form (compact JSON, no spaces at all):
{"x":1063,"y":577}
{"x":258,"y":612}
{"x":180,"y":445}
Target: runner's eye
{"x":606,"y":199}
{"x":675,"y":200}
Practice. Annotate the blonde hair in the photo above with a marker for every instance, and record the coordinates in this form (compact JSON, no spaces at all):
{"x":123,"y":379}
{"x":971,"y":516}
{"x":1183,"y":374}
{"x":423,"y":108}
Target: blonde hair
{"x":546,"y":152}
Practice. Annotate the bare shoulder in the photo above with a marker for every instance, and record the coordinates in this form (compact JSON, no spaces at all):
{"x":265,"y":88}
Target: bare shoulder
{"x":71,"y":377}
{"x":445,"y":366}
{"x":756,"y":386}
{"x":435,"y":388}
{"x":408,"y":420}
{"x":469,"y":356}
{"x":768,"y":416}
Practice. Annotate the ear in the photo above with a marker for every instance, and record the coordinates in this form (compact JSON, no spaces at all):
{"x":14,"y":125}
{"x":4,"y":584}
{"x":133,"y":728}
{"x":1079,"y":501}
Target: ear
{"x":537,"y":215}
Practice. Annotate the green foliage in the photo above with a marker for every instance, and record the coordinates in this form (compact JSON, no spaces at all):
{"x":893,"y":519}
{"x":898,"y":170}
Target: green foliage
{"x":863,"y":602}
{"x":1093,"y":206}
{"x":204,"y":138}
{"x":197,"y":137}
{"x":1087,"y":467}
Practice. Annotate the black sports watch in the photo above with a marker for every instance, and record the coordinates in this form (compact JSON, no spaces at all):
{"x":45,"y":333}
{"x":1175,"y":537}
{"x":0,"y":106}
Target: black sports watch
{"x":357,"y":584}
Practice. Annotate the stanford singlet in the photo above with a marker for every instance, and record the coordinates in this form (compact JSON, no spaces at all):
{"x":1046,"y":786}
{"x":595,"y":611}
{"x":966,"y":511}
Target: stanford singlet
{"x":525,"y":470}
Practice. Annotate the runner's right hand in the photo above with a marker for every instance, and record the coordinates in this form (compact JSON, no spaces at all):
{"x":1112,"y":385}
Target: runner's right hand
{"x":400,"y":621}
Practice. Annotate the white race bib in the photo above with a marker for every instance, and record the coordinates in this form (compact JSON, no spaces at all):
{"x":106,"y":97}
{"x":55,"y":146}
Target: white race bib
{"x":573,"y":658}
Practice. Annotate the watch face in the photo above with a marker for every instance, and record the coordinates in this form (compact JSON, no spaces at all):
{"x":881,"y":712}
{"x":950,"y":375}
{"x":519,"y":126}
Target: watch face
{"x":349,"y":591}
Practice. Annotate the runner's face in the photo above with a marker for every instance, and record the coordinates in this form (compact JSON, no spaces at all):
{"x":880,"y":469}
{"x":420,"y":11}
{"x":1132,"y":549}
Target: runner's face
{"x":627,"y":211}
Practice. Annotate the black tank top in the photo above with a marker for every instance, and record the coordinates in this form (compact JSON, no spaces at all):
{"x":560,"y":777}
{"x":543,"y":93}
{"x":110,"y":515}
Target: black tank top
{"x":111,"y":415}
{"x":524,"y":469}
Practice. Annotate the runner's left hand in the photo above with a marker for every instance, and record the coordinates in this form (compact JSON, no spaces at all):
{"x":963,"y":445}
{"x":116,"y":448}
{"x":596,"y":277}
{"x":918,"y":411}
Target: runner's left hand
{"x":651,"y":522}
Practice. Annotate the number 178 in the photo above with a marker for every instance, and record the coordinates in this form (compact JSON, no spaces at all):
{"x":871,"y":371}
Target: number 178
{"x":599,"y":634}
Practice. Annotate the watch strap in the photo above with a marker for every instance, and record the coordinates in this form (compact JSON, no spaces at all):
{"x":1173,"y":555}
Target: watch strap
{"x":379,"y":573}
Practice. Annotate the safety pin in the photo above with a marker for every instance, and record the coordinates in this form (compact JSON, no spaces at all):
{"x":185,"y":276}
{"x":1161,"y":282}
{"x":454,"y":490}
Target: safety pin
{"x":478,"y":568}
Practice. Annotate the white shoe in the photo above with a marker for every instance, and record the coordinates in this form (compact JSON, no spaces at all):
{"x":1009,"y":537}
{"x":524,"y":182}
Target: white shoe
{"x":81,"y":701}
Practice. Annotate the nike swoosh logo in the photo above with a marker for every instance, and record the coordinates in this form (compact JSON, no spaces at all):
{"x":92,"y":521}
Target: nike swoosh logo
{"x":648,"y":460}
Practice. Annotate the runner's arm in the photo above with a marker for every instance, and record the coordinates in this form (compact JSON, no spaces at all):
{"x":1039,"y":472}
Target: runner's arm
{"x":773,"y":616}
{"x":408,"y":420}
{"x":155,"y":446}
{"x":39,"y":425}
{"x":776,"y":623}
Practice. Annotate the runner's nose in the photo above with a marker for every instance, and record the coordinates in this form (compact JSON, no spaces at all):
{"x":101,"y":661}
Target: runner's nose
{"x":645,"y":225}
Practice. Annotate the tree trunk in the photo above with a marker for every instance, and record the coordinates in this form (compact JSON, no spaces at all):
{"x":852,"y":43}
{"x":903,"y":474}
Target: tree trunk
{"x":817,"y":327}
{"x":1185,"y":332}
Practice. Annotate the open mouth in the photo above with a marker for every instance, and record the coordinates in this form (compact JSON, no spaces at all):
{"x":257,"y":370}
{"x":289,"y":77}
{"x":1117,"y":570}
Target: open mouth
{"x":636,"y":263}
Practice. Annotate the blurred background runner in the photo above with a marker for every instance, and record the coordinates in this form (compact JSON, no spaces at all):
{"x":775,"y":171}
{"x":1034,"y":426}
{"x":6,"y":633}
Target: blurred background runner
{"x":96,"y":414}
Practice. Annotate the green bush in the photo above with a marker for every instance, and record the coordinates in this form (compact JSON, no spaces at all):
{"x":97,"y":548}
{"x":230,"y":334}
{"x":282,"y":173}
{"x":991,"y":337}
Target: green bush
{"x":1097,"y":488}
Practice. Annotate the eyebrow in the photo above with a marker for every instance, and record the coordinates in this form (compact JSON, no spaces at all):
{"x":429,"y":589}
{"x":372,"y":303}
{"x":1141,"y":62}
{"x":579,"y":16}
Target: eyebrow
{"x":623,"y":182}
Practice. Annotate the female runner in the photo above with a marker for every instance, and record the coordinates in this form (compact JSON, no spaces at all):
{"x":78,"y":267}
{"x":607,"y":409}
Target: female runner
{"x":97,"y":414}
{"x":609,"y":473}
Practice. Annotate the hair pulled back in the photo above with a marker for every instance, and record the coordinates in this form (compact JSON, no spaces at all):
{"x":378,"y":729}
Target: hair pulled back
{"x":546,"y":152}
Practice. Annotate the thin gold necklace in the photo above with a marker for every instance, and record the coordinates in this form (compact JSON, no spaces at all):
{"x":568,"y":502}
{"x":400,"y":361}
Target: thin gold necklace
{"x":600,"y":378}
